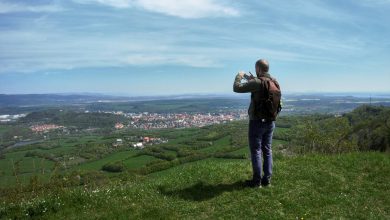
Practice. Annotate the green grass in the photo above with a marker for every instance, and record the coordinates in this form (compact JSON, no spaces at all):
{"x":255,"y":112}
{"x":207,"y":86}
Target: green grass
{"x":351,"y":186}
{"x":24,"y":166}
{"x":4,"y":128}
{"x":139,"y":161}
{"x":97,"y":164}
{"x":217,"y":145}
{"x":24,"y":178}
{"x":58,"y":147}
{"x":60,"y":150}
{"x":241,"y":151}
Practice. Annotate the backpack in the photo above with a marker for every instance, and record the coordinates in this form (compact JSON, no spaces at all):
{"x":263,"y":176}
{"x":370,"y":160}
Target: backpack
{"x":268,"y":105}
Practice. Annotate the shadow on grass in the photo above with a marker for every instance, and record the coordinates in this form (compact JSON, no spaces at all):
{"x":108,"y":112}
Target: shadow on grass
{"x":202,"y":191}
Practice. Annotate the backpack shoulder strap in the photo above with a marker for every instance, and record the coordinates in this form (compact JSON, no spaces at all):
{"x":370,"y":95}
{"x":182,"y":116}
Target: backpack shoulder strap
{"x":263,"y":78}
{"x":264,"y":81}
{"x":276,"y":83}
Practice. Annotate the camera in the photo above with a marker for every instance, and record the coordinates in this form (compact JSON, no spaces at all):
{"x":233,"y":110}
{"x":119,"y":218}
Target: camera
{"x":248,"y":77}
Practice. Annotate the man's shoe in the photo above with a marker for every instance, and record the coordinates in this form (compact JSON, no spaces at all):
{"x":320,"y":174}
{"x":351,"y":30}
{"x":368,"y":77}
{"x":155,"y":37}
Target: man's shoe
{"x":252,"y":184}
{"x":265,"y":183}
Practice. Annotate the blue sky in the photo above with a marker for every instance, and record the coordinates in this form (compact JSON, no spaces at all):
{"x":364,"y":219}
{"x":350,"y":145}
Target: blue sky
{"x":151,"y":47}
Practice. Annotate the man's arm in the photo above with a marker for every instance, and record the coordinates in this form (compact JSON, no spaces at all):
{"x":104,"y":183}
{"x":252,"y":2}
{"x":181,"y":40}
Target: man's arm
{"x":249,"y":86}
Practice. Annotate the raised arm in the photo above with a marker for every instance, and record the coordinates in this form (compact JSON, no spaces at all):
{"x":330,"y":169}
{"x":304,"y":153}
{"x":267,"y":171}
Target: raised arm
{"x":249,"y":86}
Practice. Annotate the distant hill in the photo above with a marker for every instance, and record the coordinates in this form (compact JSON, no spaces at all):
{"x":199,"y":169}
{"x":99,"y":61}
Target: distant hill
{"x":50,"y":99}
{"x":70,"y":118}
{"x":292,"y":103}
{"x":7,"y":100}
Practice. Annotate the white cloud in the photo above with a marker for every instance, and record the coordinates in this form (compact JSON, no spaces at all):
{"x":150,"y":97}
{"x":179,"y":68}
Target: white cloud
{"x":182,"y":8}
{"x":317,"y":9}
{"x":112,"y":3}
{"x":192,"y":60}
{"x":31,"y":51}
{"x":45,"y":45}
{"x":16,"y":7}
{"x":374,"y":3}
{"x":188,"y":8}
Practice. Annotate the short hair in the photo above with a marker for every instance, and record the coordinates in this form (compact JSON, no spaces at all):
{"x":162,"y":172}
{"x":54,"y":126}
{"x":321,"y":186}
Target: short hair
{"x":263,"y":65}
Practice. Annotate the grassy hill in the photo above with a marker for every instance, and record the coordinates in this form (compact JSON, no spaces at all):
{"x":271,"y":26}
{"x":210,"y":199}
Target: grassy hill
{"x":324,"y":167}
{"x":353,"y":185}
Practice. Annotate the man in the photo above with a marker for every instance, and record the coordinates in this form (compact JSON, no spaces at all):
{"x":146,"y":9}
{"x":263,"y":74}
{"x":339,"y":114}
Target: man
{"x":261,"y":125}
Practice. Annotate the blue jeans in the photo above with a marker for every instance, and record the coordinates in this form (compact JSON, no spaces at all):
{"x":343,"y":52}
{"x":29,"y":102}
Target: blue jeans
{"x":260,"y":140}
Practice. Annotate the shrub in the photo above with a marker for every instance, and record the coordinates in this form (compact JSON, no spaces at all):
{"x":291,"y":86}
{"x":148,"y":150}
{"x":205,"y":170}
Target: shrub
{"x":113,"y":167}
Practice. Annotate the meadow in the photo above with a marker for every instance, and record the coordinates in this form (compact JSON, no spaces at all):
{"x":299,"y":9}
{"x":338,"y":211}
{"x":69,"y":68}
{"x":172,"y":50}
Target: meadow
{"x":352,"y":185}
{"x":200,"y":173}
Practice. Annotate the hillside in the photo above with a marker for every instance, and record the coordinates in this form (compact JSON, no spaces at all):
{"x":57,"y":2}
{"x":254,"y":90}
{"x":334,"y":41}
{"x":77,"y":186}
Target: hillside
{"x":351,"y":185}
{"x":325,"y":167}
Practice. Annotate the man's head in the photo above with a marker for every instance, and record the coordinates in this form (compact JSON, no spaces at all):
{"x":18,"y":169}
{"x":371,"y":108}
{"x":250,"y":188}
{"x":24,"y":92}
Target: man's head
{"x":261,"y":66}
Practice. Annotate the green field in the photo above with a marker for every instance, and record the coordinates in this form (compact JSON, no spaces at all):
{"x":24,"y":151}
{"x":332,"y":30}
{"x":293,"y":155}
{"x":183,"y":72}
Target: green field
{"x":139,"y":161}
{"x":115,"y":157}
{"x":69,"y":151}
{"x":199,"y":173}
{"x":219,"y":143}
{"x":65,"y":149}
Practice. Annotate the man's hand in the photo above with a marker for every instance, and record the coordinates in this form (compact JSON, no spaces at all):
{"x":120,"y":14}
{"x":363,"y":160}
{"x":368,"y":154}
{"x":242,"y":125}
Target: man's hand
{"x":241,"y":74}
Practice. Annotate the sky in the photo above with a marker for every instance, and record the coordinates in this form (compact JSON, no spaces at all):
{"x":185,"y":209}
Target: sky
{"x":163,"y":47}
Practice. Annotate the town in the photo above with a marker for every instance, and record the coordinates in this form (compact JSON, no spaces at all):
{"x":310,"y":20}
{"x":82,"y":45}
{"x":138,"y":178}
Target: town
{"x":148,"y":120}
{"x":140,"y":121}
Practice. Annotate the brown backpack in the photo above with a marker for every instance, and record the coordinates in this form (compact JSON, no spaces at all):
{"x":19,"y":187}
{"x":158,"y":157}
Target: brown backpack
{"x":269,"y":104}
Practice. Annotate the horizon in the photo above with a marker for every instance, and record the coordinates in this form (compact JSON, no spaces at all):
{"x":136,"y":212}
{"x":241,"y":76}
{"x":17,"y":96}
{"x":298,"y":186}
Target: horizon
{"x":230,"y":95}
{"x":163,"y":48}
